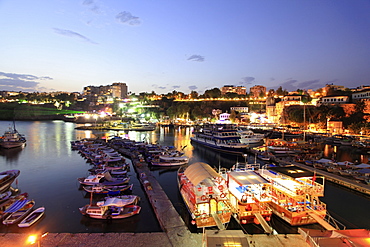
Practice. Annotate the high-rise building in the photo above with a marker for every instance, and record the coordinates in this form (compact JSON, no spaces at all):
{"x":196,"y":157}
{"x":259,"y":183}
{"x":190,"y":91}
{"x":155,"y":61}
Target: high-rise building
{"x":119,"y":90}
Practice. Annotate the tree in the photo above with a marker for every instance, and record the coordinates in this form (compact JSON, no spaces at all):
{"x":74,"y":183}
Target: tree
{"x":281,"y":92}
{"x":193,"y":95}
{"x":212,"y":93}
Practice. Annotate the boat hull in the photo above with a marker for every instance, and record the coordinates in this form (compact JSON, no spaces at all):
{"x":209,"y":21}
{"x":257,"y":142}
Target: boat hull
{"x":32,"y":218}
{"x":224,"y":149}
{"x":7,"y":179}
{"x":296,"y":218}
{"x":129,"y":210}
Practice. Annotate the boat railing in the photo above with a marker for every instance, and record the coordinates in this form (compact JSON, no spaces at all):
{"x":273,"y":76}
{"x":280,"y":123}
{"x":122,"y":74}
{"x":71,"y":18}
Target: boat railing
{"x":334,"y":222}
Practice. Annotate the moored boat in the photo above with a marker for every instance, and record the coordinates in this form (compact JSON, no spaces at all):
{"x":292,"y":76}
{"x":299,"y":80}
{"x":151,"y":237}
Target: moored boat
{"x":295,"y":194}
{"x":12,"y":139}
{"x":247,"y":136}
{"x":205,"y":194}
{"x":220,"y":137}
{"x":7,"y":178}
{"x":32,"y":218}
{"x":104,"y":179}
{"x":112,"y":208}
{"x":18,"y":211}
{"x":110,"y":190}
{"x":249,"y":194}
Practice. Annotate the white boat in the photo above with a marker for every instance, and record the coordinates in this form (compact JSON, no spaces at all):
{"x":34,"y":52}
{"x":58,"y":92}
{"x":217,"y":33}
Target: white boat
{"x":12,"y":139}
{"x":249,"y":137}
{"x":32,"y":217}
{"x":143,"y":127}
{"x":18,"y":211}
{"x":7,"y":178}
{"x":104,"y":179}
{"x":220,"y":137}
{"x":163,"y":160}
{"x":111,"y":208}
{"x":110,"y":190}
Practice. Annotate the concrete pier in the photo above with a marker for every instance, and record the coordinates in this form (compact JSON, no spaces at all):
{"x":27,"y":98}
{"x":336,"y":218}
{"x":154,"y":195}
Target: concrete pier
{"x":168,"y":218}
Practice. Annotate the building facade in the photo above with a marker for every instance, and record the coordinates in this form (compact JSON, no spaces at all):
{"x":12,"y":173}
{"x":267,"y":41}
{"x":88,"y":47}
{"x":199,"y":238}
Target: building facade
{"x":257,"y":90}
{"x":233,"y":89}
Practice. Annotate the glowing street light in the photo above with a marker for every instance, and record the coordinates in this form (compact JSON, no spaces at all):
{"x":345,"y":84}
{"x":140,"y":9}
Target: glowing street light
{"x":36,"y":238}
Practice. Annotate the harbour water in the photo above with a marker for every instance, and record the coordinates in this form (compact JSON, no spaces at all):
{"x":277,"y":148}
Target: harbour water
{"x":49,"y":172}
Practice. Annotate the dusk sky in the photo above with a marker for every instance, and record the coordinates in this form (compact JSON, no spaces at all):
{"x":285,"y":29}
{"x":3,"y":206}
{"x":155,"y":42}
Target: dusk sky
{"x":183,"y":45}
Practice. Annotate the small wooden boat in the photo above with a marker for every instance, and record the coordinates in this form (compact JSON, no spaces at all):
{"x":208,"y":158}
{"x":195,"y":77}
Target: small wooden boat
{"x":7,"y":178}
{"x":110,"y":190}
{"x":4,"y":196}
{"x":18,"y":211}
{"x":6,"y":204}
{"x":103,"y":178}
{"x":112,"y":208}
{"x":32,"y":217}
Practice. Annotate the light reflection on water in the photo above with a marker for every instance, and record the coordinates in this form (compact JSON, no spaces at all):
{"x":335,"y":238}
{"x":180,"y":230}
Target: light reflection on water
{"x":49,"y":170}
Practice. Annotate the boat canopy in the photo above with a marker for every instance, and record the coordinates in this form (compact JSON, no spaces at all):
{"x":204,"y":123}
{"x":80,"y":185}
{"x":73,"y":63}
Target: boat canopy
{"x":16,"y":206}
{"x":247,"y":178}
{"x":292,"y":171}
{"x":118,"y":202}
{"x":108,"y":177}
{"x":200,"y":171}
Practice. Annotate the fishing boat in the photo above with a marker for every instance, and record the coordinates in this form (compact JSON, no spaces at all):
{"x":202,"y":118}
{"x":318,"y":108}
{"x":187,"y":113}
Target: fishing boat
{"x":248,"y":136}
{"x":32,"y":218}
{"x":164,"y":160}
{"x":205,"y":194}
{"x":12,"y":139}
{"x":112,"y":208}
{"x":7,"y":178}
{"x":104,"y":179}
{"x":5,"y":196}
{"x":220,"y":137}
{"x":143,"y":127}
{"x":109,"y":190}
{"x":250,"y":194}
{"x":295,"y":194}
{"x":18,"y":211}
{"x":4,"y":205}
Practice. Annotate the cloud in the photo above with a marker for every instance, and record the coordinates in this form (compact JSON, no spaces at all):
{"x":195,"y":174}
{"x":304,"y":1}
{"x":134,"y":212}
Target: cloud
{"x":196,"y":58}
{"x":247,"y":80}
{"x":312,"y":84}
{"x":193,"y":88}
{"x":20,"y":82}
{"x":175,"y":87}
{"x":126,"y":17}
{"x":155,"y":86}
{"x":289,"y":85}
{"x":74,"y":35}
{"x":92,"y":6}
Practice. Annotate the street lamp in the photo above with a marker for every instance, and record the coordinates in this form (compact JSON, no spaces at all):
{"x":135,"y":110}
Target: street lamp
{"x":245,"y":158}
{"x":36,"y":238}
